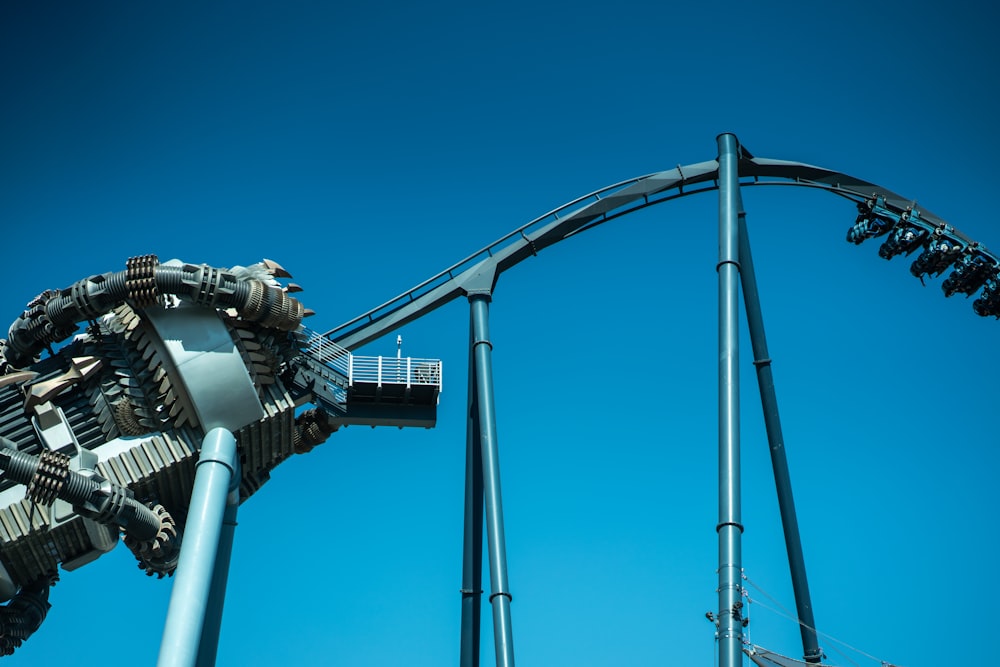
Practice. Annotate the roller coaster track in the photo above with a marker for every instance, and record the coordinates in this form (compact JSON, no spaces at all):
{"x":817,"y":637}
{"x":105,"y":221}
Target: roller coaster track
{"x":881,"y":211}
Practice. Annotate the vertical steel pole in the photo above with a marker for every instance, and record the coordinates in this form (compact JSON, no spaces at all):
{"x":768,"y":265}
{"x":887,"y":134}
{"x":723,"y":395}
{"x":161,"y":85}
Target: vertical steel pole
{"x":500,"y":594}
{"x":779,"y":462}
{"x":209,"y":645}
{"x":729,"y":527}
{"x":189,"y":598}
{"x":472,"y":562}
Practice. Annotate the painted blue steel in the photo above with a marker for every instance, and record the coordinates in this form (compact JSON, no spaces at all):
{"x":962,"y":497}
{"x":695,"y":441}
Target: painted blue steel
{"x":974,"y":268}
{"x":511,"y":249}
{"x":779,"y":462}
{"x":472,"y":561}
{"x":500,"y":597}
{"x":597,"y":208}
{"x":729,"y":528}
{"x":192,"y":588}
{"x":209,"y":644}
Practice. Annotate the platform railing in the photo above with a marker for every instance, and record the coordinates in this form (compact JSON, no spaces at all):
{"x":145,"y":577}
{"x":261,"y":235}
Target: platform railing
{"x":411,"y":371}
{"x":326,"y":351}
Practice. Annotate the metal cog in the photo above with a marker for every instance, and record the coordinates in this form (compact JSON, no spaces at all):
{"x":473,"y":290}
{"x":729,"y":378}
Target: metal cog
{"x":312,"y":428}
{"x":140,"y":280}
{"x":49,"y":478}
{"x":126,"y":419}
{"x":157,"y":556}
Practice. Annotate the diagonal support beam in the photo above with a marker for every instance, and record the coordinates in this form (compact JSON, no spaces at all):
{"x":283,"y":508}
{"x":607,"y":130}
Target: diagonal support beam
{"x":472,"y":559}
{"x":779,"y":462}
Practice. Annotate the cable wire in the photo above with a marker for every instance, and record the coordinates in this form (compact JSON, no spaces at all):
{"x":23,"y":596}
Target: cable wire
{"x":785,"y":612}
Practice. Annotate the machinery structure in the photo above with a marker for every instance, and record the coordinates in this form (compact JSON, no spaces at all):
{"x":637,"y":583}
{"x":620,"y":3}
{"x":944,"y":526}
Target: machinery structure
{"x":187,"y":368}
{"x":105,"y":431}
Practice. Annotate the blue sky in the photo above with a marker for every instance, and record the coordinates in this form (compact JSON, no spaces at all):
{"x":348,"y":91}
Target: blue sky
{"x":366,"y":147}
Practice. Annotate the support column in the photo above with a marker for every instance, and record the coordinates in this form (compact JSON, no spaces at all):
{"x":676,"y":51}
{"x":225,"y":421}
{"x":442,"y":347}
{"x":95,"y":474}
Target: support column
{"x":779,"y":462}
{"x":190,"y":597}
{"x":500,"y":590}
{"x":729,"y":528}
{"x":209,"y":646}
{"x":472,"y":561}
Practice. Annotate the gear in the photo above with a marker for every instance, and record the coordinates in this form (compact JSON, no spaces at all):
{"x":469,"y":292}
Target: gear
{"x":159,"y":555}
{"x":312,"y":428}
{"x":140,"y":281}
{"x":49,"y":478}
{"x":126,"y":419}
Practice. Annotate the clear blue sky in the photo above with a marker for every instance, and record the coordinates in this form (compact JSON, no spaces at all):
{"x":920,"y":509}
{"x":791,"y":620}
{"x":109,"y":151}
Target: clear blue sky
{"x":365,"y":146}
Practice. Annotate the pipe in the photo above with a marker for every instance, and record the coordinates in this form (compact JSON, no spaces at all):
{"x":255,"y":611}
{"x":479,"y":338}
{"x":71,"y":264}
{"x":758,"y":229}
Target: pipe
{"x":500,"y":597}
{"x":190,"y":597}
{"x":208,"y":646}
{"x":48,"y":477}
{"x":52,"y":316}
{"x":729,"y":528}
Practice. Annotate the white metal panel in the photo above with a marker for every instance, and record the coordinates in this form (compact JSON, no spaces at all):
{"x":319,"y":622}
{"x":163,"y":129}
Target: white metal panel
{"x":209,"y":366}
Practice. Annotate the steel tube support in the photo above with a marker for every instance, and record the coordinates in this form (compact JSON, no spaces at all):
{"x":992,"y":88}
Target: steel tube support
{"x":190,"y":596}
{"x":779,"y":462}
{"x":500,"y":597}
{"x":472,"y":561}
{"x":220,"y":575}
{"x":729,"y":528}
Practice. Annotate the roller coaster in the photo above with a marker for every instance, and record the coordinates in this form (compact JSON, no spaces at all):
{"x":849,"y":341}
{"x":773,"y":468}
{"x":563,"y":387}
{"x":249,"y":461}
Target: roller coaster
{"x":190,"y":384}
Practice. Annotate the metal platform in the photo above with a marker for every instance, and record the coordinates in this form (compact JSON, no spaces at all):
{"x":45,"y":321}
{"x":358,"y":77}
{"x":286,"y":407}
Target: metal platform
{"x":375,"y":391}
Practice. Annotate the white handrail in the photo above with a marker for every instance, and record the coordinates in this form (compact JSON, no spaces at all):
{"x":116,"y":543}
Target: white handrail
{"x":409,"y":371}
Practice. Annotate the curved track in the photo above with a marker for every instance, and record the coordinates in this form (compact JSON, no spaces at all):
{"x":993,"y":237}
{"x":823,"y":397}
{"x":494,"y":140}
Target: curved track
{"x":881,"y":212}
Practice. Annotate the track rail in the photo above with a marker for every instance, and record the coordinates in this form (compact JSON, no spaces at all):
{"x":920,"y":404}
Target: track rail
{"x":881,"y":211}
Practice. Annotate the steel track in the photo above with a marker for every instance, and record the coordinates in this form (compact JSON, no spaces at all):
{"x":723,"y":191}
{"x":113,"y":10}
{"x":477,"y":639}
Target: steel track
{"x":612,"y":202}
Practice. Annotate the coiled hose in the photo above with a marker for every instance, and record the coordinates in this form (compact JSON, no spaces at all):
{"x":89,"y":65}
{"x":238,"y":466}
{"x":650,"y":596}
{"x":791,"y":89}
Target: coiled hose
{"x":52,"y":316}
{"x":48,"y":477}
{"x":23,"y":615}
